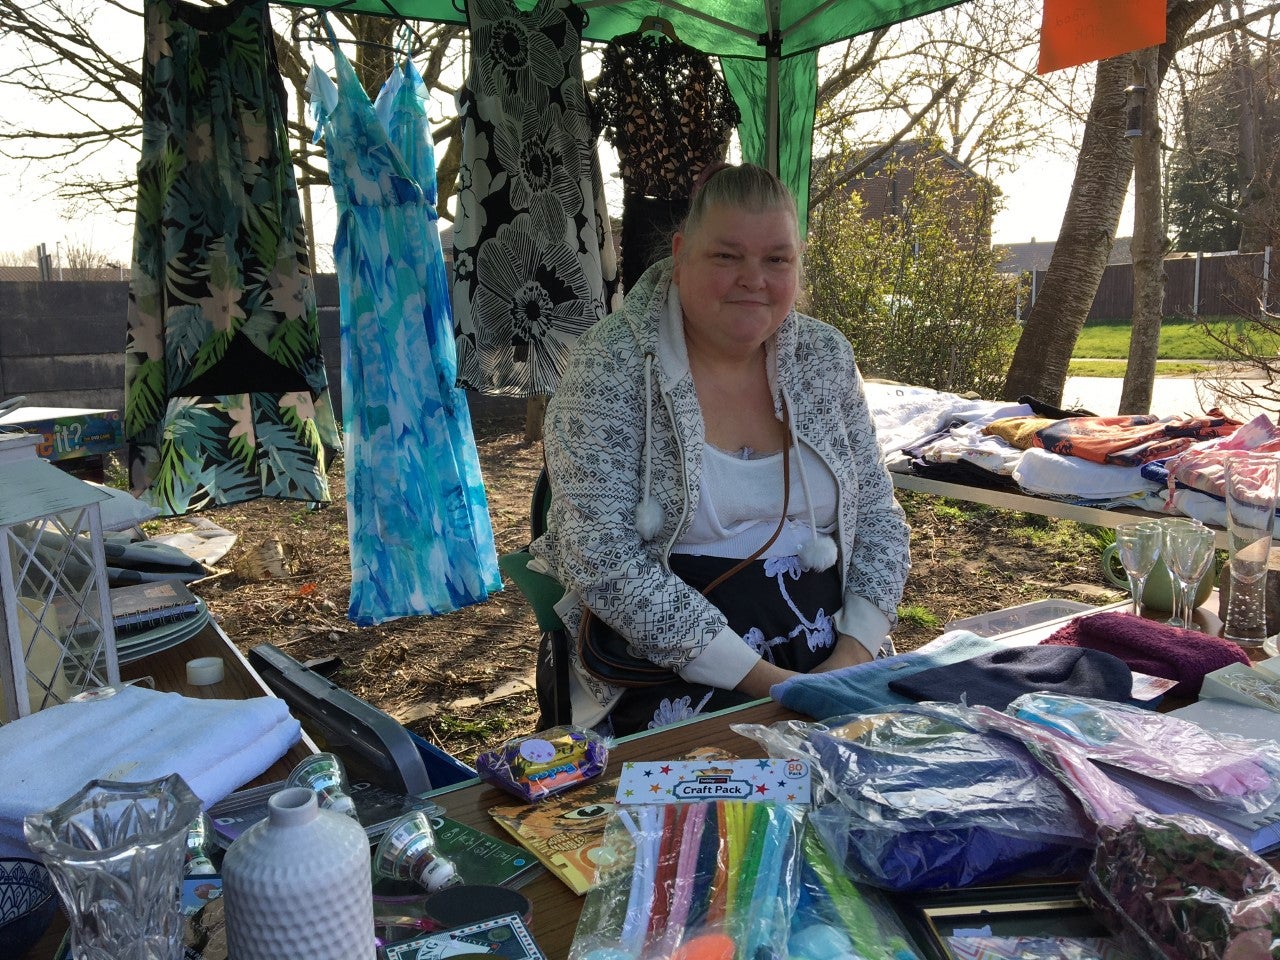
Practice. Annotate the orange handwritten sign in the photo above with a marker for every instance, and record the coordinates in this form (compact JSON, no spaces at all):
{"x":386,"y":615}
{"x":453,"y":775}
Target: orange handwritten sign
{"x":1078,"y":31}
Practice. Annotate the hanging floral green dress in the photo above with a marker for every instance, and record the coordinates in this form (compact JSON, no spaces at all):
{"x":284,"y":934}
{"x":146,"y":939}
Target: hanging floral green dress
{"x":226,"y":396}
{"x":418,"y":520}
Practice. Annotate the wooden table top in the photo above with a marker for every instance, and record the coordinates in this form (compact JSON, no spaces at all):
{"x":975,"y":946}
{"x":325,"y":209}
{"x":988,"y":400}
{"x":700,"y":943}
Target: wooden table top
{"x":555,"y":907}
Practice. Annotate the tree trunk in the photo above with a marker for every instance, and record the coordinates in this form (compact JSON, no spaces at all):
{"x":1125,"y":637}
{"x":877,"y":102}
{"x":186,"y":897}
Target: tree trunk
{"x":1148,"y":247}
{"x":1039,"y":366}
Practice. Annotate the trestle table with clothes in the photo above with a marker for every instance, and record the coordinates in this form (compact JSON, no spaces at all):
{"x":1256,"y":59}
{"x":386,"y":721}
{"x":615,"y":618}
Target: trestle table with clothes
{"x":1068,"y":464}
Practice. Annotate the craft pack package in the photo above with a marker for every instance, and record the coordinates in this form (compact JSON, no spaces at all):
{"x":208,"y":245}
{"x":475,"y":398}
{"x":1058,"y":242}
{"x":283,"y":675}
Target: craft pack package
{"x":693,"y":881}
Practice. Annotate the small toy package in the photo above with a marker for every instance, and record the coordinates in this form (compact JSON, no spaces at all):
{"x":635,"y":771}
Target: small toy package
{"x":545,"y":763}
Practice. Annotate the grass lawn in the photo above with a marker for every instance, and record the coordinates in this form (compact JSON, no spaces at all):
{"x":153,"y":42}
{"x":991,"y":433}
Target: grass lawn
{"x":1115,"y":368}
{"x":1180,"y":339}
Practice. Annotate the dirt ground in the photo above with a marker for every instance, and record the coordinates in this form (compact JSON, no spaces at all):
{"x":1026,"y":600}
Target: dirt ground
{"x":465,"y":680}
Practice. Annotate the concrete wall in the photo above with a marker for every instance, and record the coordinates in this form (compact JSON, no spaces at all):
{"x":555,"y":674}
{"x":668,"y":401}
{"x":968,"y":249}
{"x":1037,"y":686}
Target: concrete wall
{"x":62,"y":345}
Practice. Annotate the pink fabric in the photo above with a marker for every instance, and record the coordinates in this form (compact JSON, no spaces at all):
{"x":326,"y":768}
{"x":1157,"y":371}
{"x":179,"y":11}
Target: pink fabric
{"x":1202,"y":466}
{"x":1156,"y":649}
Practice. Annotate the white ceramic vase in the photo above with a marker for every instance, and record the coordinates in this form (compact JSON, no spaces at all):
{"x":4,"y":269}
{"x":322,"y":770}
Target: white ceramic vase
{"x":299,"y":885}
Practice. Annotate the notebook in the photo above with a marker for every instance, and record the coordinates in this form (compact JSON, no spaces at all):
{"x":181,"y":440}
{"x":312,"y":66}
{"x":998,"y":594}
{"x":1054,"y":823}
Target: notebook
{"x":140,"y":606}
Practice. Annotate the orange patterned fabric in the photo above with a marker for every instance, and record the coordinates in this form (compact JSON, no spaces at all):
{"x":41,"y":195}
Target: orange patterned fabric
{"x":1130,"y":441}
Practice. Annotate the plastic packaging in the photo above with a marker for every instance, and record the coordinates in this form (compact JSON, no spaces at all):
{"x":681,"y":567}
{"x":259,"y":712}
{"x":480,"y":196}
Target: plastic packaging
{"x":691,"y":881}
{"x":1240,"y":774}
{"x":1178,"y":888}
{"x":1174,"y":887}
{"x":836,"y":918}
{"x":543,"y":764}
{"x":916,"y":800}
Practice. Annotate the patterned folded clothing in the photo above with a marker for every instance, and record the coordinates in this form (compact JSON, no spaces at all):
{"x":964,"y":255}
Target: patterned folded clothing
{"x":1156,"y":649}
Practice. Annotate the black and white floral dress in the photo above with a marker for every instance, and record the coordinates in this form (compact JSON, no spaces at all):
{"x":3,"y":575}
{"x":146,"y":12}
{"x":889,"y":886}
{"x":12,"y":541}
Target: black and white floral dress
{"x":533,"y":259}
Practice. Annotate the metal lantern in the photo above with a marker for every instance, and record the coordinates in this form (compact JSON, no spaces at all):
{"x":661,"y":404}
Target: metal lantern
{"x":55,"y":610}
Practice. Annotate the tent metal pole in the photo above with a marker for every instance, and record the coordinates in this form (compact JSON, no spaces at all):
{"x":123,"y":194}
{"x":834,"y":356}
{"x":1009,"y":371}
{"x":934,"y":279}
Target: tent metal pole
{"x":772,"y":42}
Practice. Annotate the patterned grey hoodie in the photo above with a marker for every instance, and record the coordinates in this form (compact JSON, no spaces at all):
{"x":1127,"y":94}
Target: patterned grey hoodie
{"x":625,"y":426}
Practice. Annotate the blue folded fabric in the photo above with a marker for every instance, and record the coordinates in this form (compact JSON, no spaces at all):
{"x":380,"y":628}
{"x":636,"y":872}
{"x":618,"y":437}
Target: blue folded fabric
{"x":997,"y":679}
{"x":865,"y":688}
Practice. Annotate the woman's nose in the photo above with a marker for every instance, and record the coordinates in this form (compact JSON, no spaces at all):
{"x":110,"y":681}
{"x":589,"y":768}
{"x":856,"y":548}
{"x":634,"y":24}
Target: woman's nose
{"x":751,"y":275}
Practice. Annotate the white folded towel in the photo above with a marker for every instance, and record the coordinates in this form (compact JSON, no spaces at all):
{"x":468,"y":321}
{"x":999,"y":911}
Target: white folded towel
{"x":1047,"y":474}
{"x":137,"y":734}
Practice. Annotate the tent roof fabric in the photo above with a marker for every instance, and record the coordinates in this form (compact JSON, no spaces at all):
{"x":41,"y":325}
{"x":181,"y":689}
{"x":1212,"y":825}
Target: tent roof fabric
{"x":726,"y":28}
{"x":771,"y":72}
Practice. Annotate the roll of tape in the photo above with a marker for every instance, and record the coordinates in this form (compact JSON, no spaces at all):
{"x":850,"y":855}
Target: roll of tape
{"x":204,"y":670}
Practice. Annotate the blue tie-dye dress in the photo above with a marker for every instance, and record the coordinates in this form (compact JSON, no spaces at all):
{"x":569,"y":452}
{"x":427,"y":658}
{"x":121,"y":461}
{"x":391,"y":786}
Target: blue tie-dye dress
{"x":421,"y":539}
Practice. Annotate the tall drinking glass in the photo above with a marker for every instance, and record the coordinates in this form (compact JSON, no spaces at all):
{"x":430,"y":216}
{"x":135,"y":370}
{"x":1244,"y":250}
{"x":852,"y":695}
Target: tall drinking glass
{"x":1250,"y":486}
{"x":1138,"y":545}
{"x":1190,"y":553}
{"x":1174,"y":530}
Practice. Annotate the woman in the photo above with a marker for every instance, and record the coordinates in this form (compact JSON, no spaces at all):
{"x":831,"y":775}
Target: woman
{"x":666,"y":444}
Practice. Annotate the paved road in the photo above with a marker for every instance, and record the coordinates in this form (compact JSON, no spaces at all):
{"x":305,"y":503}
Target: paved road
{"x":1170,"y":395}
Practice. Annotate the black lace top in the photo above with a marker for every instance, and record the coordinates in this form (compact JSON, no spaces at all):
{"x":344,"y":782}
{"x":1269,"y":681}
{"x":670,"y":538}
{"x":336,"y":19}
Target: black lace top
{"x":666,"y":110}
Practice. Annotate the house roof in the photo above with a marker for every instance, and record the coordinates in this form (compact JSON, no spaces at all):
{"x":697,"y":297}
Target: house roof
{"x":909,"y":150}
{"x":1035,"y":255}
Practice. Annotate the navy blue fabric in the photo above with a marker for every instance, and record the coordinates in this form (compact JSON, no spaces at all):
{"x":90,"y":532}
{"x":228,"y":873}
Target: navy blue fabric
{"x":998,"y":678}
{"x":866,"y":687}
{"x":943,"y":808}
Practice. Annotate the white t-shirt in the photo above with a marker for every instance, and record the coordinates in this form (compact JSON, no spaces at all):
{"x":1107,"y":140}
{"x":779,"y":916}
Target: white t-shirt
{"x":740,"y":500}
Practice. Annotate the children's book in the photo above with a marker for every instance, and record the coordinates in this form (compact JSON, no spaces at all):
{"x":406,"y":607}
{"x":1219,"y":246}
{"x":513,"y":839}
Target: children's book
{"x":481,"y":858}
{"x":565,"y":831}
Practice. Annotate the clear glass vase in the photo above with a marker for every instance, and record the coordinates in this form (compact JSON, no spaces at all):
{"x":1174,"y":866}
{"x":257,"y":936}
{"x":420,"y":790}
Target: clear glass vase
{"x":1250,"y":484}
{"x":116,"y":851}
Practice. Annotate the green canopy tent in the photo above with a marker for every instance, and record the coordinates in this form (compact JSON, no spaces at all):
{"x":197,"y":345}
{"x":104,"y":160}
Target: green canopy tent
{"x":768,"y":50}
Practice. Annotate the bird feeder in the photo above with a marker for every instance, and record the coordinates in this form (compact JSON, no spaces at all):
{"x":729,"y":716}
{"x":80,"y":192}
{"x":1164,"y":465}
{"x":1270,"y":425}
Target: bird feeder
{"x":1135,"y":98}
{"x":55,"y":609}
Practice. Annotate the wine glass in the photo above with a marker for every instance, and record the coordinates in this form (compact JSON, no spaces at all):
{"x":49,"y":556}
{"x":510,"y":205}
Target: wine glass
{"x":1138,"y":545}
{"x":1188,"y":553}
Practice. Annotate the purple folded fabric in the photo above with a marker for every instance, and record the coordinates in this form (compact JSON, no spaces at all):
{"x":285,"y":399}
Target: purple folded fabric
{"x":1156,"y":649}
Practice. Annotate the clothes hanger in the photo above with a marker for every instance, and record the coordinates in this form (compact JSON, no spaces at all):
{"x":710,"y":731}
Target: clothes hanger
{"x":658,"y":25}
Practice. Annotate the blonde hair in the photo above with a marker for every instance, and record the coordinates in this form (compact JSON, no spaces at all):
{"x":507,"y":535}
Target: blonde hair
{"x":743,"y":187}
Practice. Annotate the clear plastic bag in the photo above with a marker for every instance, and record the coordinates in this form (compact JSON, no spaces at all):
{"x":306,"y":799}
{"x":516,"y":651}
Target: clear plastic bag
{"x":545,"y":763}
{"x":837,"y":918}
{"x":1173,"y":887}
{"x":1177,"y":888}
{"x":918,"y":800}
{"x":1240,"y":774}
{"x":692,"y":879}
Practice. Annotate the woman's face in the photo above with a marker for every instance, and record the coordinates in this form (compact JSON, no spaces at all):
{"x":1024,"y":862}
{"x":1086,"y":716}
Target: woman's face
{"x":738,"y":275}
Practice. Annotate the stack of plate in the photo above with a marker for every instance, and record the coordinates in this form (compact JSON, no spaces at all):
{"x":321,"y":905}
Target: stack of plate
{"x":134,"y":645}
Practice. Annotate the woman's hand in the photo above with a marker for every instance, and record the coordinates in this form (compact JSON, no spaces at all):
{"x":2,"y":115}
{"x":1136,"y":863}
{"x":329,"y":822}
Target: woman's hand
{"x":848,"y":652}
{"x":761,"y":677}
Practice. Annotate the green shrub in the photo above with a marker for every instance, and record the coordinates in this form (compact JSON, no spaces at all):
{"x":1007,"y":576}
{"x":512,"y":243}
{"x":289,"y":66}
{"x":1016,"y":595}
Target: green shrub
{"x":917,"y":294}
